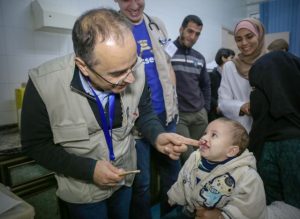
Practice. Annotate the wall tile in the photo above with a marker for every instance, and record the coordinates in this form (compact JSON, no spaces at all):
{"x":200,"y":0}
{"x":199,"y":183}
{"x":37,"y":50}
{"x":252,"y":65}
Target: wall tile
{"x":4,"y":69}
{"x":66,"y":45}
{"x":2,"y":42}
{"x":17,"y":13}
{"x":8,"y":117}
{"x":46,"y":43}
{"x":27,"y":42}
{"x":20,"y":41}
{"x":1,"y":12}
{"x":7,"y":103}
{"x":84,"y":6}
{"x":7,"y":93}
{"x":19,"y":66}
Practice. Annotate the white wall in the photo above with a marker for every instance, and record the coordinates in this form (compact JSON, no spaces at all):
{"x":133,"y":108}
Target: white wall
{"x":22,"y":48}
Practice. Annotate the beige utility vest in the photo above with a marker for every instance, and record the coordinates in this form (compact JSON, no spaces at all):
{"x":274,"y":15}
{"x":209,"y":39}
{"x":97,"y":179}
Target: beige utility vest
{"x":75,"y":127}
{"x":163,"y":65}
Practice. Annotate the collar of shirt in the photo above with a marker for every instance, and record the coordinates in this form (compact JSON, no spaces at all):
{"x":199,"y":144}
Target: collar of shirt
{"x":103,"y":96}
{"x":208,"y":166}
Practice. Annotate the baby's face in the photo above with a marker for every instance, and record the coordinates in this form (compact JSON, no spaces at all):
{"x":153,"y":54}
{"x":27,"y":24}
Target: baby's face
{"x":216,"y":141}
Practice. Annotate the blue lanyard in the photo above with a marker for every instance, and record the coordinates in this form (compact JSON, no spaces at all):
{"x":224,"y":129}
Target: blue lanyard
{"x":107,"y":130}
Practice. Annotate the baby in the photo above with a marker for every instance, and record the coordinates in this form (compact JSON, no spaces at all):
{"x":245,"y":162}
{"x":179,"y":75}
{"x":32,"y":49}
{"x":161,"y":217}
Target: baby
{"x":219,"y":180}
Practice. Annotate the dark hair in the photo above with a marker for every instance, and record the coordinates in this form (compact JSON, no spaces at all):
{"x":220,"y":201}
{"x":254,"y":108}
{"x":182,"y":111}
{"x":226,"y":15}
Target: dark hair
{"x":97,"y":25}
{"x":278,"y":45}
{"x":223,"y":52}
{"x":191,"y":18}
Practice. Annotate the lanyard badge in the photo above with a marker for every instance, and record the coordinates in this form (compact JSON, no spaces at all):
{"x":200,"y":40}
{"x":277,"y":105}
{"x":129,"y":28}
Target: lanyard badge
{"x":107,"y":128}
{"x":168,"y":45}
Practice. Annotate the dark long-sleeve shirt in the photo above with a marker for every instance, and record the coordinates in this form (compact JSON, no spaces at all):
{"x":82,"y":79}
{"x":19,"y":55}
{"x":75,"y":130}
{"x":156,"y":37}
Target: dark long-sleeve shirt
{"x":215,"y":79}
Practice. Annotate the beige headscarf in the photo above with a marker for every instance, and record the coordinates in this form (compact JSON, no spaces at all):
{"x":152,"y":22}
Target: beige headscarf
{"x":243,"y":63}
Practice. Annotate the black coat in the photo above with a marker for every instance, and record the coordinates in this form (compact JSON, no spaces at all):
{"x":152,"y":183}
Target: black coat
{"x":275,"y":99}
{"x":215,"y":80}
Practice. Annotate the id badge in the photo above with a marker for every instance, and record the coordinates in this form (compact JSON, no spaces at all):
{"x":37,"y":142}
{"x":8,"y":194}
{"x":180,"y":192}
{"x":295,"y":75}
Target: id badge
{"x":170,"y":48}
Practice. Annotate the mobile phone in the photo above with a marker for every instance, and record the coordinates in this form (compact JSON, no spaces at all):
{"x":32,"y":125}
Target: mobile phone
{"x":129,"y":172}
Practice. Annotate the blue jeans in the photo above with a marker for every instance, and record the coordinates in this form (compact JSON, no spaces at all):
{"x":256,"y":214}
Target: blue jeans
{"x":115,"y":207}
{"x":168,"y":169}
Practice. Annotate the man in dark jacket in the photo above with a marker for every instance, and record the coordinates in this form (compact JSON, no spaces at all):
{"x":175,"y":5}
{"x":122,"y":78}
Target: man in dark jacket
{"x":192,"y":80}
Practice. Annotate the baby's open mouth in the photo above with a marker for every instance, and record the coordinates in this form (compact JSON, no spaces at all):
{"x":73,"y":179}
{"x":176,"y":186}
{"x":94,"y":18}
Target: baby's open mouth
{"x":203,"y":145}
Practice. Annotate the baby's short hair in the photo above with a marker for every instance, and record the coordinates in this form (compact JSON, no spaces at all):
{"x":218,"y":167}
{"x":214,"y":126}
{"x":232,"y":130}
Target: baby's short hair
{"x":240,"y":136}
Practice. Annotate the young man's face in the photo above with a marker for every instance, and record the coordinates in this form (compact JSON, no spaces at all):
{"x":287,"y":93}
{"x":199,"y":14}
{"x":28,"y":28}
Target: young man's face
{"x":132,"y":9}
{"x":216,"y":142}
{"x":116,"y":64}
{"x":190,"y":34}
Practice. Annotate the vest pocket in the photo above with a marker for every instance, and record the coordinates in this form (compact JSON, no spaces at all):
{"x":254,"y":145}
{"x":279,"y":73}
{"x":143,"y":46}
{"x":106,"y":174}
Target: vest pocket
{"x":70,"y":133}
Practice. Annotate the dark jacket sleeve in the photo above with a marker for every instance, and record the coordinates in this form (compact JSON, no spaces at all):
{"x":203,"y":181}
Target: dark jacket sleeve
{"x":205,"y":87}
{"x":37,"y":140}
{"x":214,"y":85}
{"x":148,"y":123}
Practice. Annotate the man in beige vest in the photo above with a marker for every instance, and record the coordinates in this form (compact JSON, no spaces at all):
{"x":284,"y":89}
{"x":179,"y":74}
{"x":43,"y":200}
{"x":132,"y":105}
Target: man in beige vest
{"x":78,"y":113}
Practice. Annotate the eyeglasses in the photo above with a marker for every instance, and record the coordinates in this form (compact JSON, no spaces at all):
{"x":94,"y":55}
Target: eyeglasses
{"x":123,"y":74}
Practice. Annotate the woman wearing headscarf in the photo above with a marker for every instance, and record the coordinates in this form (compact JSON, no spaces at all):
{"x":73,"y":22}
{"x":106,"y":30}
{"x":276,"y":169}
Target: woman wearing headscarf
{"x":234,"y":89}
{"x":275,"y":133}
